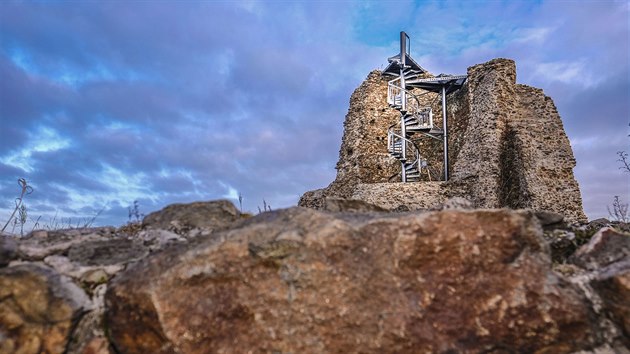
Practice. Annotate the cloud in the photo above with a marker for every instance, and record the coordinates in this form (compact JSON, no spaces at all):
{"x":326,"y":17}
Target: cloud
{"x":534,"y":34}
{"x":567,"y":72}
{"x":102,"y":104}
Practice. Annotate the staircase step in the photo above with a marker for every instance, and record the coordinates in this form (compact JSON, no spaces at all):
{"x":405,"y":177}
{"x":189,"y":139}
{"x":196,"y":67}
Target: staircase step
{"x":418,"y":128}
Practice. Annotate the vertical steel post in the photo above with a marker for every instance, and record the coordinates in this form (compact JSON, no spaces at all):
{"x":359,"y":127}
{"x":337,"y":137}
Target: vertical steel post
{"x":403,"y":48}
{"x":445,"y":128}
{"x":403,"y":104}
{"x":403,"y":141}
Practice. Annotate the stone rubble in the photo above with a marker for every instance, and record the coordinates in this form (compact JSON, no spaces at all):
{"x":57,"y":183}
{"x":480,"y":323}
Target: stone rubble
{"x":353,"y":278}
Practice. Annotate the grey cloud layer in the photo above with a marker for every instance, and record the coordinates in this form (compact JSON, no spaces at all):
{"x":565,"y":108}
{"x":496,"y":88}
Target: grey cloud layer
{"x":186,"y":100}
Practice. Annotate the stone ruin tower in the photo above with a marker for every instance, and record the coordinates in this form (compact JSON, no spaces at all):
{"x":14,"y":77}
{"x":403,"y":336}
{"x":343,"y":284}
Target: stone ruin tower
{"x":412,"y":140}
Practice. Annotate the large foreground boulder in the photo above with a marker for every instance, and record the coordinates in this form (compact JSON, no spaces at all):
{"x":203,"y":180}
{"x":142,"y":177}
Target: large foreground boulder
{"x":302,"y":281}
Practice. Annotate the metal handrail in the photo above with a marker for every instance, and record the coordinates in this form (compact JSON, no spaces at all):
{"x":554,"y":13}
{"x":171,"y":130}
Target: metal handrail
{"x":394,"y":91}
{"x":393,"y":87}
{"x":391,"y":140}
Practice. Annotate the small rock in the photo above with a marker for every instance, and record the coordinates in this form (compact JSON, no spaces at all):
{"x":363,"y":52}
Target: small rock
{"x":562,"y":242}
{"x":548,"y":218}
{"x":157,"y":238}
{"x":313,"y":199}
{"x":598,"y":223}
{"x":65,"y":266}
{"x":607,"y":246}
{"x":8,"y":250}
{"x":96,"y":276}
{"x":38,"y":309}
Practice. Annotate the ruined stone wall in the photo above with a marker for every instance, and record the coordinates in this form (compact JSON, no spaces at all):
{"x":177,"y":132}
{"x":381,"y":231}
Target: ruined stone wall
{"x":547,"y":159}
{"x":514,"y":151}
{"x":458,"y":113}
{"x":490,"y":95}
{"x":363,"y":156}
{"x":507,"y":148}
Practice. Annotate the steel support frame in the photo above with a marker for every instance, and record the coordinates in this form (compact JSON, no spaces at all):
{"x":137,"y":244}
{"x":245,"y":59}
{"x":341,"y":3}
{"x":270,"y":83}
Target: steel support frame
{"x":445,"y":136}
{"x":403,"y":103}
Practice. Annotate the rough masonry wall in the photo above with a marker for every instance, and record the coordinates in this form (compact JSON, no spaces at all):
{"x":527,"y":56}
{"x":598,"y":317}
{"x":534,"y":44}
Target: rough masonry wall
{"x":363,"y":156}
{"x":507,"y":148}
{"x":514,"y":151}
{"x":458,"y":114}
{"x":547,"y":158}
{"x":490,"y":95}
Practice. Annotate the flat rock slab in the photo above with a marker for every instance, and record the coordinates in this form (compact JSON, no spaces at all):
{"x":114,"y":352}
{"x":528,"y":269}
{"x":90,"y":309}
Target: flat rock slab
{"x":303,"y":281}
{"x":182,"y":218}
{"x":38,"y":308}
{"x":406,"y":196}
{"x":107,"y":252}
{"x":41,"y":244}
{"x":349,"y":205}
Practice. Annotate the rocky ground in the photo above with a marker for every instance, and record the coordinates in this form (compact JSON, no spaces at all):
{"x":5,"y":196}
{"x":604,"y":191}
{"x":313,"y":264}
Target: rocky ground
{"x":352,"y":278}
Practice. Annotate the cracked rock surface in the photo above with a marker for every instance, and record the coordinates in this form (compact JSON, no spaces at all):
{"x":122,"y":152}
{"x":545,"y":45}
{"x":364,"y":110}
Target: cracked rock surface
{"x":303,"y":281}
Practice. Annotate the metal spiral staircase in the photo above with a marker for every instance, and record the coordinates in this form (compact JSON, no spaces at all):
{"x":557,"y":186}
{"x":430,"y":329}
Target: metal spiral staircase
{"x":415,"y":118}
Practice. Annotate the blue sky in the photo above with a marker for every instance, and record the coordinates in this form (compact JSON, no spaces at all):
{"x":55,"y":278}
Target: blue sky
{"x":104,"y":103}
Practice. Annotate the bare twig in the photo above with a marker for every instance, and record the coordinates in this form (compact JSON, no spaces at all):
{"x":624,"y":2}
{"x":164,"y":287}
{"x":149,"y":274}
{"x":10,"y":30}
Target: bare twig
{"x":26,"y":189}
{"x":619,"y":211}
{"x":36,"y":223}
{"x":625,"y":162}
{"x":89,"y":222}
{"x":134,"y":212}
